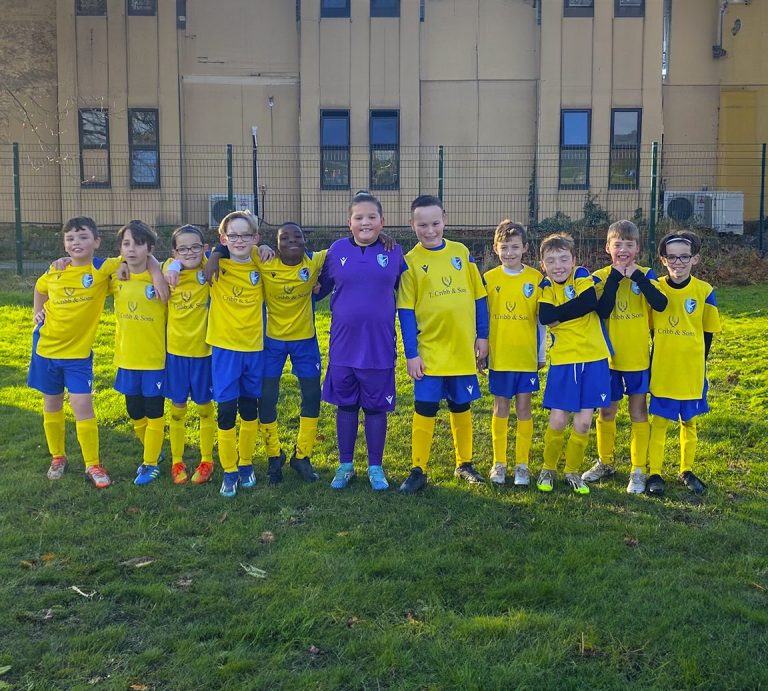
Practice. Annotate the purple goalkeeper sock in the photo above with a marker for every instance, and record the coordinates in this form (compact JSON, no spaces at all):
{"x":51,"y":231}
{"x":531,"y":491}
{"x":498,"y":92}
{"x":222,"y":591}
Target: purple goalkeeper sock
{"x":346,"y":434}
{"x":375,"y":436}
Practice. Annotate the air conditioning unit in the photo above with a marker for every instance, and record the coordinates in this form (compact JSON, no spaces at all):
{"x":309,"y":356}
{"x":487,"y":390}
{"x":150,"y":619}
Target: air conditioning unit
{"x":218,"y":206}
{"x":721,"y":211}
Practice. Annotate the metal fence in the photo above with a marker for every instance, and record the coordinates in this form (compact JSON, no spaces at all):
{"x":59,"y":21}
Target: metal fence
{"x":546,"y":188}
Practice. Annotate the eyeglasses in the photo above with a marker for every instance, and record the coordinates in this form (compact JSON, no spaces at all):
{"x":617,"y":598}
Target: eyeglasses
{"x":681,"y":259}
{"x":192,"y":249}
{"x":245,"y":237}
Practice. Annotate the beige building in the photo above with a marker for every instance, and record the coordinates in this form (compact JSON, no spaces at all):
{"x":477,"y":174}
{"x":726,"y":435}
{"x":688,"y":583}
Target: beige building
{"x":124,"y":108}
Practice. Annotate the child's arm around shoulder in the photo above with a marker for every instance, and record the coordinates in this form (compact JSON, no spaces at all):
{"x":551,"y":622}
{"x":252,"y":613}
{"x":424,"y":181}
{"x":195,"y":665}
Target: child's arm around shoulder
{"x":39,"y":298}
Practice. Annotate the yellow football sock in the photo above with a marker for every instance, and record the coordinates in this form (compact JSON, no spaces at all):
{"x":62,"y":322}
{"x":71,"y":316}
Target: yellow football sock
{"x":207,"y":431}
{"x":499,"y":437}
{"x":461,"y":430}
{"x":638,"y":445}
{"x":575,"y":450}
{"x":305,"y":441}
{"x":153,"y":440}
{"x":88,"y":438}
{"x":606,"y":439}
{"x":656,"y":442}
{"x":228,"y":450}
{"x":177,"y":433}
{"x":249,"y":431}
{"x":553,"y":447}
{"x":271,"y":437}
{"x":421,"y":440}
{"x":523,"y":441}
{"x":689,"y":439}
{"x":140,"y":428}
{"x":53,"y":426}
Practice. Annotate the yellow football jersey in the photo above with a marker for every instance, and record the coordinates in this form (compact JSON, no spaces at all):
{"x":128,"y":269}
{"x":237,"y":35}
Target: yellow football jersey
{"x":678,"y":366}
{"x":441,"y":287}
{"x":236,"y":319}
{"x":629,"y":326}
{"x":577,"y":340}
{"x":139,"y":323}
{"x":188,"y":314}
{"x":513,"y":306}
{"x":75,"y":301}
{"x":288,"y":294}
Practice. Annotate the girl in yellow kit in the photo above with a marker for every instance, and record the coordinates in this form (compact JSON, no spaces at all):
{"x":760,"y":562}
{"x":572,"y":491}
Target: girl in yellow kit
{"x":188,"y":362}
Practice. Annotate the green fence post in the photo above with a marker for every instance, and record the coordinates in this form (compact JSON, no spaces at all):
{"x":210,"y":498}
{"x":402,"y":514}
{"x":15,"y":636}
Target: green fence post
{"x":17,"y":210}
{"x":230,"y":186}
{"x":654,"y":202}
{"x":761,"y":226}
{"x":440,"y":164}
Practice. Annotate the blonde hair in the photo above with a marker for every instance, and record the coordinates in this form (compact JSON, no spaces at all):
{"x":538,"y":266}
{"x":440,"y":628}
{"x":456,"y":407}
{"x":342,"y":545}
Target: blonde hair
{"x":557,"y":241}
{"x":246,"y":215}
{"x":623,"y":230}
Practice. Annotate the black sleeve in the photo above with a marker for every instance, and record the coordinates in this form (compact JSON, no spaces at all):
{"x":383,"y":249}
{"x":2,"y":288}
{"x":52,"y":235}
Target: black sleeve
{"x":656,"y":299}
{"x":573,"y":309}
{"x":707,"y":343}
{"x":222,"y":251}
{"x":608,"y":299}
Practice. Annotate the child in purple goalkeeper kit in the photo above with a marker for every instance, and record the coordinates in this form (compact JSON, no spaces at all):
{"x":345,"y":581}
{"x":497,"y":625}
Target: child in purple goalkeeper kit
{"x":362,"y":278}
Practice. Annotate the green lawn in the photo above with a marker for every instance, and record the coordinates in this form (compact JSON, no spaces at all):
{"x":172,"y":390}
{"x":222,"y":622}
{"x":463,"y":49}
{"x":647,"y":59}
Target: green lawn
{"x":456,"y":588}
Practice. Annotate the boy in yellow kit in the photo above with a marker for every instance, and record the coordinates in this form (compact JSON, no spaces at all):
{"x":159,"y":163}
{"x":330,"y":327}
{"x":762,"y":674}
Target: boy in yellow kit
{"x":627,"y":296}
{"x":516,"y":347}
{"x":682,"y":336}
{"x":140,"y":319}
{"x":578,"y":380}
{"x":68,"y":303}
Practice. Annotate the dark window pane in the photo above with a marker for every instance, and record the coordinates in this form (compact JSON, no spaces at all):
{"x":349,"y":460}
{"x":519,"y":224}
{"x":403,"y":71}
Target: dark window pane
{"x":385,"y":169}
{"x":143,"y":130}
{"x":93,"y":129}
{"x":580,"y":3}
{"x":574,"y":168}
{"x":95,"y":168}
{"x":384,"y":130}
{"x":91,"y":7}
{"x":575,"y":129}
{"x":145,"y":168}
{"x":142,"y":7}
{"x":630,"y":3}
{"x":334,"y":8}
{"x":335,"y":168}
{"x":335,"y":131}
{"x":625,"y":128}
{"x":624,"y":168}
{"x":385,"y":8}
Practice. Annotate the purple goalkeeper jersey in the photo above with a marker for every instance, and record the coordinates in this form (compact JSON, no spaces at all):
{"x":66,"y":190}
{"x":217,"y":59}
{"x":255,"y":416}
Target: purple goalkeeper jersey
{"x":364,"y":284}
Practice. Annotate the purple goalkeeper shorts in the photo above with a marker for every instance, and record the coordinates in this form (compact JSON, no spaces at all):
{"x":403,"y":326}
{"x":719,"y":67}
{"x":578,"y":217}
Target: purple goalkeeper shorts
{"x":372,"y":389}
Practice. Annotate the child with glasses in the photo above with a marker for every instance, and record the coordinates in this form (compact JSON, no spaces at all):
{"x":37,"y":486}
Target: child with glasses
{"x":682,"y":337}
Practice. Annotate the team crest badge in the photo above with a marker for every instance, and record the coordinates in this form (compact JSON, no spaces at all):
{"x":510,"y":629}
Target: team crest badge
{"x":528,"y":289}
{"x":254,"y":276}
{"x":570,"y":292}
{"x":87,"y":280}
{"x":635,"y":288}
{"x":149,"y":291}
{"x":304,"y":274}
{"x":690,"y":305}
{"x":383,"y":260}
{"x":200,"y":278}
{"x":456,"y":262}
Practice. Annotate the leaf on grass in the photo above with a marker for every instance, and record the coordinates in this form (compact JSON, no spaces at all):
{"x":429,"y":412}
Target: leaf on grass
{"x":87,"y":596}
{"x":138,"y":687}
{"x":343,"y":533}
{"x":27,"y":564}
{"x":760,"y":587}
{"x":138,"y":562}
{"x":315,"y":651}
{"x":410,"y":616}
{"x":95,"y":680}
{"x":223,"y":517}
{"x":48,"y":556}
{"x":631,"y":541}
{"x":42,"y":615}
{"x":266,"y":538}
{"x":352,"y":621}
{"x":133,"y":509}
{"x":5,"y":669}
{"x":184,"y":582}
{"x":253,"y":571}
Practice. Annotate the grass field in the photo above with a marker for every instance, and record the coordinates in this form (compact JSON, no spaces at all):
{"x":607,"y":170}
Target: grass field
{"x":301,"y":587}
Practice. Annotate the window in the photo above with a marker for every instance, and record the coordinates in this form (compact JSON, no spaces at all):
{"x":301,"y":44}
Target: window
{"x":144,"y":147}
{"x":422,"y":10}
{"x":574,"y":149}
{"x":181,"y":14}
{"x":624,"y":168}
{"x":629,"y":8}
{"x":385,"y":150}
{"x":385,"y":8}
{"x":93,"y":126}
{"x":334,"y":8}
{"x":334,"y":149}
{"x":145,"y":8}
{"x":91,"y":8}
{"x":579,"y":8}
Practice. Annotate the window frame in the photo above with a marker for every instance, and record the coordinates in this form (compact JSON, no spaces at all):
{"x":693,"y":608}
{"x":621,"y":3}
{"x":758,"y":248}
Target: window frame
{"x":574,"y":147}
{"x":625,"y":147}
{"x":578,"y":11}
{"x":98,"y":184}
{"x":620,"y":10}
{"x":384,"y":113}
{"x":152,"y":12}
{"x":81,"y":12}
{"x":332,"y":148}
{"x":335,"y":12}
{"x":386,"y":11}
{"x":133,"y":147}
